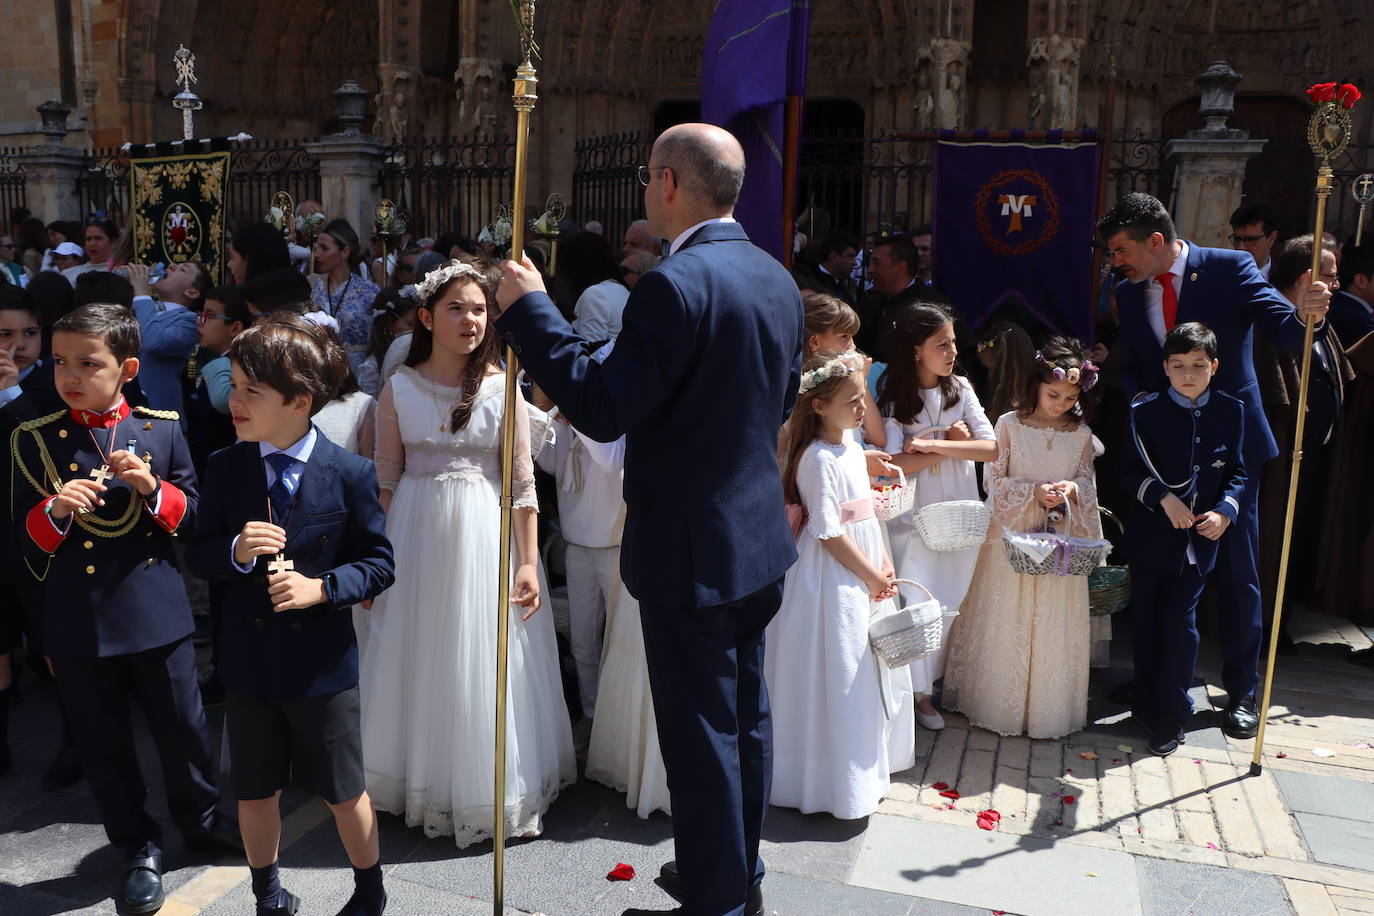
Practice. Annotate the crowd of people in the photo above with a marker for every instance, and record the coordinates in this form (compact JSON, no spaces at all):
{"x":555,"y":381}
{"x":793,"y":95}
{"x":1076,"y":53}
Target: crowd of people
{"x":310,"y":464}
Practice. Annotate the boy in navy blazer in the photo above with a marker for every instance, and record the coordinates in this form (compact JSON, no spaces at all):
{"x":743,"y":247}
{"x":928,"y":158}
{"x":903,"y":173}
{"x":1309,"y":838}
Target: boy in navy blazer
{"x":1167,"y":282}
{"x":291,"y":535}
{"x":1186,"y":469}
{"x":103,"y":488}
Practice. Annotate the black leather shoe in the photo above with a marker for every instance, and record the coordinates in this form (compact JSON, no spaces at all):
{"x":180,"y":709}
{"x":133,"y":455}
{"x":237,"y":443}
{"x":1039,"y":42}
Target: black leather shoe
{"x":1240,"y":719}
{"x":221,"y":836}
{"x":1166,"y":738}
{"x":65,"y":770}
{"x":143,"y":886}
{"x":289,"y":904}
{"x":672,"y":883}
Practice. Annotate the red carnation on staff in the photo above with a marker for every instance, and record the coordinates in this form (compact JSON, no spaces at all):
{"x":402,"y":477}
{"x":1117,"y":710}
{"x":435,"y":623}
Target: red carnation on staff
{"x":1321,"y":93}
{"x":1348,"y":94}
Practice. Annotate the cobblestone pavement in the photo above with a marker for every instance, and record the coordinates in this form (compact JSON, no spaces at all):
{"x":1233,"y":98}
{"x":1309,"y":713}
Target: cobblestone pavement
{"x":1090,"y":824}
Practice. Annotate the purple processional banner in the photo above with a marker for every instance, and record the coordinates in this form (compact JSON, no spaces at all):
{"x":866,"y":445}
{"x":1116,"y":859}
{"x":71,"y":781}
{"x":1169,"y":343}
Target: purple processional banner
{"x":1013,"y":228}
{"x":754,"y":58}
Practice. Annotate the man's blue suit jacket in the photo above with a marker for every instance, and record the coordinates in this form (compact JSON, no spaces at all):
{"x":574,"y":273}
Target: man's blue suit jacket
{"x":703,"y":375}
{"x":337,"y":525}
{"x":1224,"y":290}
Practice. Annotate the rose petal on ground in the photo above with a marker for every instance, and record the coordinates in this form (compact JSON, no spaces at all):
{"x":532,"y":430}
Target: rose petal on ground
{"x":950,"y":793}
{"x":621,"y":872}
{"x":949,"y":806}
{"x":1116,"y":760}
{"x":1069,"y":799}
{"x":939,"y":786}
{"x":1087,"y":755}
{"x":1282,"y":754}
{"x":1364,"y":746}
{"x":1213,"y":846}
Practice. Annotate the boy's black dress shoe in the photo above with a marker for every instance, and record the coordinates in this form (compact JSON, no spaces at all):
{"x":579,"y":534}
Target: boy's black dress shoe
{"x":672,"y":883}
{"x":288,"y":904}
{"x":1240,"y":719}
{"x":143,"y":886}
{"x":1165,"y":738}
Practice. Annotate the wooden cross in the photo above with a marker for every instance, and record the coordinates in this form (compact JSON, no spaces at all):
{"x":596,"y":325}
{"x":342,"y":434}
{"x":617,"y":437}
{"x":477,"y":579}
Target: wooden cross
{"x":101,"y":474}
{"x":280,"y":564}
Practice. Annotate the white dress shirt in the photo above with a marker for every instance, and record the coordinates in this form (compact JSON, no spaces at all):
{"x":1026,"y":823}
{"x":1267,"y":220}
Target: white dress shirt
{"x":677,"y":242}
{"x":1154,"y":294}
{"x":300,"y":450}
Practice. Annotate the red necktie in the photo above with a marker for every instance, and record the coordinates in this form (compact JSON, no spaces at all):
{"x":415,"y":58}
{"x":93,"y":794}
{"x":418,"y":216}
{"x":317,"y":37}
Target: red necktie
{"x":1170,"y":300}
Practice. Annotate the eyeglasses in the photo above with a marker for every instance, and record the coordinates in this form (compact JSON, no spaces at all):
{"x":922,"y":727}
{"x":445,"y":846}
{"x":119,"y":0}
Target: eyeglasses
{"x":1331,"y":280}
{"x":1247,"y":239}
{"x":204,"y":316}
{"x":646,"y":172}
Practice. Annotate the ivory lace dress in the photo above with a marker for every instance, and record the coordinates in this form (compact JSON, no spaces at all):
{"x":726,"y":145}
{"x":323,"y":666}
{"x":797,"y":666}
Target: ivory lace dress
{"x":1018,"y":653}
{"x":429,"y":675}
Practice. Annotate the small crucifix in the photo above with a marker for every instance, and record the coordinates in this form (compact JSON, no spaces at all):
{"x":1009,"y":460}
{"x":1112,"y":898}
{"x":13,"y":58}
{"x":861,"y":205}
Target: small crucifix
{"x":1363,"y":191}
{"x":280,"y":564}
{"x":101,"y":474}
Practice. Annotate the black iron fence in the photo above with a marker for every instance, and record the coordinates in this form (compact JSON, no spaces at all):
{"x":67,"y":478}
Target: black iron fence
{"x":257,"y":171}
{"x":605,"y":183}
{"x":11,"y":180}
{"x":1136,"y":162}
{"x":450,"y":184}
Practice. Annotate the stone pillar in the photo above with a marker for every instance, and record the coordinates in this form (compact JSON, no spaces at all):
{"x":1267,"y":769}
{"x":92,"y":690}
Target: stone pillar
{"x":350,"y":163}
{"x":51,"y":169}
{"x":1211,"y":163}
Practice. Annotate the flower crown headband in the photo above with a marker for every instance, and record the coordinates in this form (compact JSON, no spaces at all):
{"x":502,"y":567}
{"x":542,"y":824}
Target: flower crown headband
{"x":439,"y":276}
{"x":836,"y":367}
{"x":1084,"y":377}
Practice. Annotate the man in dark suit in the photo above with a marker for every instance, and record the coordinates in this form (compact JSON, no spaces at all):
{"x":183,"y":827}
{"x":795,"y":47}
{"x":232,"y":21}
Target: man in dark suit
{"x":831,"y":273}
{"x":1352,"y":307}
{"x":895,"y":286}
{"x":1169,"y":281}
{"x":702,"y":376}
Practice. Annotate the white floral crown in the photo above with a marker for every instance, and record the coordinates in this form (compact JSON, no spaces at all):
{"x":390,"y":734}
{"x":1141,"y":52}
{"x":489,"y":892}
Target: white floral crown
{"x":439,"y":276}
{"x":836,"y":367}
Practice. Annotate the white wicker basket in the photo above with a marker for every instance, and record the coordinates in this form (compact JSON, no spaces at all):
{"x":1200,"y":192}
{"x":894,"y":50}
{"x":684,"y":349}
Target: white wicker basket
{"x":894,"y":501}
{"x":955,"y":524}
{"x":913,"y":632}
{"x":1039,"y":553}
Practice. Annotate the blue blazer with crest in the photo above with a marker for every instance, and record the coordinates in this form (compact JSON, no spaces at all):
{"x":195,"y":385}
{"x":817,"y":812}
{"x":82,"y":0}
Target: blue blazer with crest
{"x":337,"y":526}
{"x":703,"y":375}
{"x":1222,"y":289}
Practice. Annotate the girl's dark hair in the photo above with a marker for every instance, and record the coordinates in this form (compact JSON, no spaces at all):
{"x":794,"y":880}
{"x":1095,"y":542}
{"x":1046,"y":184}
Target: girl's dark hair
{"x":341,"y":231}
{"x":284,"y":287}
{"x":488,"y":352}
{"x":803,"y":425}
{"x":387,"y":308}
{"x":32,"y":234}
{"x":231,"y":298}
{"x":448,"y":241}
{"x":1064,"y":353}
{"x":104,"y":225}
{"x":1013,"y":356}
{"x":822,"y":313}
{"x":111,"y":324}
{"x":584,"y":259}
{"x":291,"y":356}
{"x":52,"y":296}
{"x":899,"y":392}
{"x":1293,"y":259}
{"x":262,"y":247}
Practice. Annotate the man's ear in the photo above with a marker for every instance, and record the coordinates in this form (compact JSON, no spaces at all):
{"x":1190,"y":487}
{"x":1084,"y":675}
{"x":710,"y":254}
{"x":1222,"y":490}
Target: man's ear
{"x":191,"y":293}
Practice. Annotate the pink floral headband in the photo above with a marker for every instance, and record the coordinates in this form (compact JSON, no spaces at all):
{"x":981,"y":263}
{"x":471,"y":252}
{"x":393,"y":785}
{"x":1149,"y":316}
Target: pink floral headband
{"x":1084,"y":377}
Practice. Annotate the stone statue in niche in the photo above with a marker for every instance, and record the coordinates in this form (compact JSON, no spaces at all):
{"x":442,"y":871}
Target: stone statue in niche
{"x":1037,"y":77}
{"x":391,"y":109}
{"x":477,"y":78}
{"x":952,"y":95}
{"x":924,"y":106}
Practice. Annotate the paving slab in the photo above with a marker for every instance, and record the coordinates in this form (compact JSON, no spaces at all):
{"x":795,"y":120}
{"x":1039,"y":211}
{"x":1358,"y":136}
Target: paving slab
{"x":1313,"y":793}
{"x":1339,"y":840}
{"x":800,"y":895}
{"x":1169,"y":888}
{"x":995,"y":871}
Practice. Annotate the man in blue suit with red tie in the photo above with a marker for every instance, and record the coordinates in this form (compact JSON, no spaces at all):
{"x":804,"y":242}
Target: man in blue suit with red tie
{"x":1169,"y":281}
{"x":704,"y":372}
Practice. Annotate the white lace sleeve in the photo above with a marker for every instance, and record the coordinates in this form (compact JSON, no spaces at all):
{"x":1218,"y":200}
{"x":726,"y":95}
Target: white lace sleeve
{"x":390,"y":455}
{"x":527,"y":418}
{"x":1085,"y":476}
{"x":818,"y":475}
{"x":1009,"y":494}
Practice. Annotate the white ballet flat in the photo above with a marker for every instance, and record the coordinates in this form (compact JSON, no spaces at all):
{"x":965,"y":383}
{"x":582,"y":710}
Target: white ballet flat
{"x":933,"y":722}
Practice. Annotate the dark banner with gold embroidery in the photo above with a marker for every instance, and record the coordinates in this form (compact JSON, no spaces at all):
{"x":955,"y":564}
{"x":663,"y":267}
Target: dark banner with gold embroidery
{"x":178,"y":203}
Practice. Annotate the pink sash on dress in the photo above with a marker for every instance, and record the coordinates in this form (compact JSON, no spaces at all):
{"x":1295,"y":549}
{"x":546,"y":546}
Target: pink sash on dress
{"x":856,"y":510}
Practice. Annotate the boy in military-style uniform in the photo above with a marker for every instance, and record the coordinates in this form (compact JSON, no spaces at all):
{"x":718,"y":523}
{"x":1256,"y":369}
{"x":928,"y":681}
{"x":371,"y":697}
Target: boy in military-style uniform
{"x":103,"y":490}
{"x":1187,"y":471}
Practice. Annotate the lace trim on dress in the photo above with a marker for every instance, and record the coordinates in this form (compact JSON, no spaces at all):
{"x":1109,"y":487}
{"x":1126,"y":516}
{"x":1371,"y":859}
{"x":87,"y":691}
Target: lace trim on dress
{"x":523,"y":817}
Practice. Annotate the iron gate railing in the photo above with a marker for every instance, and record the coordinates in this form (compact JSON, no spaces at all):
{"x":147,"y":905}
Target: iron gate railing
{"x":450,"y":184}
{"x":11,"y":181}
{"x":605,"y":183}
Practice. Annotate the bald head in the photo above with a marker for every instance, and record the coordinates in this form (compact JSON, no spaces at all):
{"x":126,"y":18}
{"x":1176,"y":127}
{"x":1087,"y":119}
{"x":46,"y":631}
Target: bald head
{"x":708,"y":163}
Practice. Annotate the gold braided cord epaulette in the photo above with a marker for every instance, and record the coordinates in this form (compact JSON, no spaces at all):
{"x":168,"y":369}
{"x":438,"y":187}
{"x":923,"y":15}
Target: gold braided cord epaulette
{"x":89,"y":522}
{"x":156,"y":414}
{"x":43,"y":421}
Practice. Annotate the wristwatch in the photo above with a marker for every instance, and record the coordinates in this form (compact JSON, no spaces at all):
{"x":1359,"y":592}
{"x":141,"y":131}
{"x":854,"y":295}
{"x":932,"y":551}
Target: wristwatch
{"x":331,"y":590}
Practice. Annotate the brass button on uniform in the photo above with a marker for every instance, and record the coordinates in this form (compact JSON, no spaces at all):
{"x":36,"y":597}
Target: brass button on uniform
{"x":73,"y":466}
{"x":90,"y":570}
{"x":61,"y":434}
{"x":88,"y":545}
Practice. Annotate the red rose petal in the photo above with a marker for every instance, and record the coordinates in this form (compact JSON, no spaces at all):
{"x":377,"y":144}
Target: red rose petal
{"x":621,"y":872}
{"x":940,"y":786}
{"x":1282,"y":754}
{"x":950,"y":793}
{"x":1068,"y":799}
{"x":949,"y":806}
{"x":988,"y":820}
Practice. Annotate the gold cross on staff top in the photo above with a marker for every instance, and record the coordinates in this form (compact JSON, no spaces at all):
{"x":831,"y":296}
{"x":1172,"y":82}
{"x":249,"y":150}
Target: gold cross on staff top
{"x":1364,"y":188}
{"x":280,"y":564}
